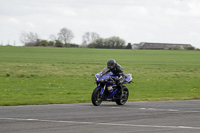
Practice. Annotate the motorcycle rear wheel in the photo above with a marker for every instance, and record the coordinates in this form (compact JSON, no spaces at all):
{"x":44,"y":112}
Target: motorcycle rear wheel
{"x":123,"y":100}
{"x":96,"y":98}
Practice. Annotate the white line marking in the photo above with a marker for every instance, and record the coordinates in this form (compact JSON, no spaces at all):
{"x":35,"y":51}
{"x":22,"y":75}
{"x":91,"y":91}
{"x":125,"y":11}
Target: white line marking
{"x":173,"y":110}
{"x":115,"y":107}
{"x":154,"y":109}
{"x":107,"y":124}
{"x":170,"y":110}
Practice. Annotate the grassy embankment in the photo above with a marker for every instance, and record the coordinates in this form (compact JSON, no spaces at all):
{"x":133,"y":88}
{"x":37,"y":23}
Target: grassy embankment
{"x":30,"y":75}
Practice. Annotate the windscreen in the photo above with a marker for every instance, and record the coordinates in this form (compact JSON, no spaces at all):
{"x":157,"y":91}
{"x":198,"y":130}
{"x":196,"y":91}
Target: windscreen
{"x":105,"y":71}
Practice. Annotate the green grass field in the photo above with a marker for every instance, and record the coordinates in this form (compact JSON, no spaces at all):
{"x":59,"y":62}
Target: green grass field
{"x":39,"y":75}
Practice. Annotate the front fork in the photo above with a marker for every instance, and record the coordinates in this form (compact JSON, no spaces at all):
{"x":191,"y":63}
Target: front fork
{"x":102,"y":89}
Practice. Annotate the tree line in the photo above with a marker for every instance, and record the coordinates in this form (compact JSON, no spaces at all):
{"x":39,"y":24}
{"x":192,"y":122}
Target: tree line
{"x":65,"y":36}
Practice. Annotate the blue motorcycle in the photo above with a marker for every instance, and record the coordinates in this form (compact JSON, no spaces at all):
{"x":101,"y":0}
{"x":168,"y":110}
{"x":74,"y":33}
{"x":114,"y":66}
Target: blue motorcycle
{"x":107,"y":89}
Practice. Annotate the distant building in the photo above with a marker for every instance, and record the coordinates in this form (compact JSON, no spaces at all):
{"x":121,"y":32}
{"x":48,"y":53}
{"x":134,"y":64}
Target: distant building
{"x":148,"y":45}
{"x":136,"y":45}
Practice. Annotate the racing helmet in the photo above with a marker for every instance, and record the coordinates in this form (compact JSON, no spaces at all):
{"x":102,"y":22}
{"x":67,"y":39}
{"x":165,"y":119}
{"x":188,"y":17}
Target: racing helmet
{"x":111,"y":63}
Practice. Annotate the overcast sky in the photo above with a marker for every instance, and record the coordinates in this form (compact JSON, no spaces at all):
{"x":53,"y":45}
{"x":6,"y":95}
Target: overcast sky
{"x":164,"y":21}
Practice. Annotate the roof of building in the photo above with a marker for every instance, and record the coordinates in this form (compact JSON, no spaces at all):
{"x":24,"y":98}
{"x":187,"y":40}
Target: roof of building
{"x":162,"y":45}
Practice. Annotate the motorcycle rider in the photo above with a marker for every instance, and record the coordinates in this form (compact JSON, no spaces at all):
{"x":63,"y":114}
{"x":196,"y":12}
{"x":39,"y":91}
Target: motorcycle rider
{"x":116,"y":69}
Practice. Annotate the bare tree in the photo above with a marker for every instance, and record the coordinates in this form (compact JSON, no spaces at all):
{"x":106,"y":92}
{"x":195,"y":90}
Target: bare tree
{"x":89,"y":37}
{"x":53,"y":38}
{"x":23,"y":37}
{"x":65,"y":35}
{"x":29,"y":39}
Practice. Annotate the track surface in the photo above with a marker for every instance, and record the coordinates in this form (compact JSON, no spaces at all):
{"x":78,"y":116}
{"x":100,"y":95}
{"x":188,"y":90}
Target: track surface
{"x":134,"y":117}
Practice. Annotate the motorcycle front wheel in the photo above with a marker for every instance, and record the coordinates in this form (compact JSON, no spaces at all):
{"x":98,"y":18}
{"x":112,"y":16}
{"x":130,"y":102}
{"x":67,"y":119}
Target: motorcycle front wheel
{"x":96,"y":98}
{"x":124,"y":99}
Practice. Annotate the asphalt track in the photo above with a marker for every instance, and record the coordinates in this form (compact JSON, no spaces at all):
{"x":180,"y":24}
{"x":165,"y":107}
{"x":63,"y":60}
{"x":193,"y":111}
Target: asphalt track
{"x":134,"y":117}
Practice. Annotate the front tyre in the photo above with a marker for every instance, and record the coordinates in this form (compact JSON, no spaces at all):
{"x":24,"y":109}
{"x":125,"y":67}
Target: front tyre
{"x":124,"y":99}
{"x":96,"y":98}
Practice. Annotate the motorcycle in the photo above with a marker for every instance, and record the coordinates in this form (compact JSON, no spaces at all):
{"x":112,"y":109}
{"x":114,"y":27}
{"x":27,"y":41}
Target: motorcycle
{"x":107,"y":89}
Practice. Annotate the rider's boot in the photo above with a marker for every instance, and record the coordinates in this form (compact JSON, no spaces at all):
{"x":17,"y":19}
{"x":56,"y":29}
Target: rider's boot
{"x":121,"y":91}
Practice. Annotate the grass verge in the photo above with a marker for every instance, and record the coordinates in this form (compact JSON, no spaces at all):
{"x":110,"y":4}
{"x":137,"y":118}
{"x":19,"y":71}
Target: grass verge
{"x":30,"y":75}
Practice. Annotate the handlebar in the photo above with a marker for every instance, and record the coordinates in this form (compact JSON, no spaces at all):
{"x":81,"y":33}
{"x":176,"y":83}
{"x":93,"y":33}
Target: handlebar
{"x":113,"y":79}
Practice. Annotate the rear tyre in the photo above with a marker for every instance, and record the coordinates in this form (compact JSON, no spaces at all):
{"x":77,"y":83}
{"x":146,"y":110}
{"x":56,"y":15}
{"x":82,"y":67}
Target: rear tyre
{"x":96,"y":98}
{"x":124,"y":99}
